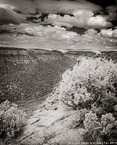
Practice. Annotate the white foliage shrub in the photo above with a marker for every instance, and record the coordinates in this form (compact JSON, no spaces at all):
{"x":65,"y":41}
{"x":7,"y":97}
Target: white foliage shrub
{"x":90,"y":87}
{"x":88,"y":81}
{"x":90,"y":120}
{"x":95,"y":127}
{"x":107,"y":122}
{"x":11,"y":119}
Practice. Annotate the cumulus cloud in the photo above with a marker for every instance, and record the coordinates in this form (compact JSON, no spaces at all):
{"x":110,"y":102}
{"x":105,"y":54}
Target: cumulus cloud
{"x":49,"y":32}
{"x":49,"y":37}
{"x":98,"y":21}
{"x":80,"y":18}
{"x":109,"y":33}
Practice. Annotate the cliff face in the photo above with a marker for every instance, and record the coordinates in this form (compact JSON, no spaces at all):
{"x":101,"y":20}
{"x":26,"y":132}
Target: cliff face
{"x":27,"y":76}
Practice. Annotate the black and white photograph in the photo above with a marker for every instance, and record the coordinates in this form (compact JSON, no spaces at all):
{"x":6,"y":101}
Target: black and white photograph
{"x":58,"y":72}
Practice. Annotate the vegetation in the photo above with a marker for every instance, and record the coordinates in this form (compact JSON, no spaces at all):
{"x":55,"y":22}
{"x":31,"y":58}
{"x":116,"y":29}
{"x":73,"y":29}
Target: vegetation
{"x":89,"y":88}
{"x":92,"y":86}
{"x":11,"y":119}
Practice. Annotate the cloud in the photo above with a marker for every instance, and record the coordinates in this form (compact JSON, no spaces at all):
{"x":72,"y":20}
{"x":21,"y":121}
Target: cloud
{"x":109,"y":33}
{"x":22,"y":6}
{"x":49,"y":37}
{"x":51,"y":6}
{"x":80,"y":18}
{"x":42,"y":32}
{"x":112,"y":13}
{"x":66,"y":6}
{"x":9,"y":16}
{"x":112,"y":8}
{"x":98,"y":21}
{"x":49,"y":32}
{"x":82,"y":11}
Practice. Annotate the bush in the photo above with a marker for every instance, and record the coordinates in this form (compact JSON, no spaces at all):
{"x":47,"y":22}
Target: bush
{"x":103,"y":128}
{"x":92,"y":85}
{"x":11,"y":119}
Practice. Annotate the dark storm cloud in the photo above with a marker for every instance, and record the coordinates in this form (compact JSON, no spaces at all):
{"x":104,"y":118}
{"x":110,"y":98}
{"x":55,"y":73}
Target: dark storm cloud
{"x":104,"y":3}
{"x":27,"y":6}
{"x":9,"y":16}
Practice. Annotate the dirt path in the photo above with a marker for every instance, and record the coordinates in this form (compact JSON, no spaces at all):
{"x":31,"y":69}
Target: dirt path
{"x":51,"y":127}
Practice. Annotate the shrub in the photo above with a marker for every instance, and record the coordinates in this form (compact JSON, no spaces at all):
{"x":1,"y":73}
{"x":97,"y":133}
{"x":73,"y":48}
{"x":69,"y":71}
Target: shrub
{"x":92,"y":85}
{"x":11,"y":119}
{"x":91,"y":127}
{"x":107,"y":122}
{"x":100,"y":128}
{"x":91,"y":89}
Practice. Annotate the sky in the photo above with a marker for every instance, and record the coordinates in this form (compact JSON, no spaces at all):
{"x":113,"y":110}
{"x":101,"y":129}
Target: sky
{"x":21,"y":23}
{"x":83,"y":11}
{"x":104,"y":3}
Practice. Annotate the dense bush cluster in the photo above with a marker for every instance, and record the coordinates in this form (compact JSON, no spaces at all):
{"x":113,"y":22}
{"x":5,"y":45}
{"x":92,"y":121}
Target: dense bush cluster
{"x":91,"y":82}
{"x":11,"y":119}
{"x":92,"y":85}
{"x":100,"y":128}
